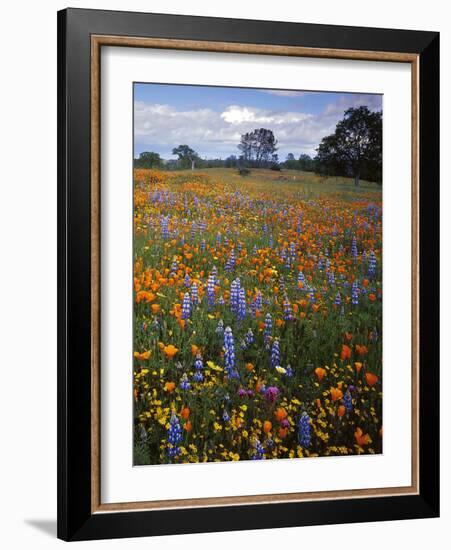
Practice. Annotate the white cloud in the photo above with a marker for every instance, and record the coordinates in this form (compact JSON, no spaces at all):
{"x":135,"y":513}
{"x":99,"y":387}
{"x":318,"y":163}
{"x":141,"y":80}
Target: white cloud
{"x":211,"y":133}
{"x":239,"y":115}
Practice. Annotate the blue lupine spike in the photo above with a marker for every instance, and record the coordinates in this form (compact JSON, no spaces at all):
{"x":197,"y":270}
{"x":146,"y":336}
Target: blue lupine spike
{"x":304,"y":431}
{"x":275,"y":353}
{"x":174,"y":437}
{"x":194,"y":294}
{"x":372,"y":265}
{"x":268,"y":327}
{"x":259,"y":453}
{"x":186,"y":306}
{"x":229,"y":354}
{"x":184,"y":383}
{"x":241,"y":304}
{"x":354,"y":251}
{"x":355,"y":293}
{"x":211,"y":290}
{"x":347,"y":400}
{"x":287,"y":310}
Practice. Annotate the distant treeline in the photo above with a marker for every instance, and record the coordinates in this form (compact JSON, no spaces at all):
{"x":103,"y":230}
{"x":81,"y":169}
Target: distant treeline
{"x":353,"y":150}
{"x":305,"y":162}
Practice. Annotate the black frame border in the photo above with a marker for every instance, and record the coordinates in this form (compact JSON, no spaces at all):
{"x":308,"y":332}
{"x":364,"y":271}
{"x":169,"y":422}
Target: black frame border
{"x":75,"y":520}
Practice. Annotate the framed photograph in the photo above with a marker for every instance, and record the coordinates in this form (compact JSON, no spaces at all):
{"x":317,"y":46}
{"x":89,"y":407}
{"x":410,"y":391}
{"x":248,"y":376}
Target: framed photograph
{"x":248,"y":274}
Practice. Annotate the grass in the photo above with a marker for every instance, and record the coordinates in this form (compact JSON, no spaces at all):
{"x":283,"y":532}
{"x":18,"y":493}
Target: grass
{"x":303,"y":375}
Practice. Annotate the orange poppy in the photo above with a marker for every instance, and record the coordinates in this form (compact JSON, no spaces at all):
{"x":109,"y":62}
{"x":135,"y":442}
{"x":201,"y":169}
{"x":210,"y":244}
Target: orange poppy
{"x":358,"y":366}
{"x":144,"y":295}
{"x":169,"y":387}
{"x":185,"y":412}
{"x":336,"y":394}
{"x":320,"y":373}
{"x":188,"y":426}
{"x":282,"y":432}
{"x":371,"y":378}
{"x":361,"y":350}
{"x":361,"y":438}
{"x":142,"y":356}
{"x":194,"y":349}
{"x":155,"y":308}
{"x":170,"y":351}
{"x":280,"y":413}
{"x":267,"y":426}
{"x":249,"y":367}
{"x":341,"y":410}
{"x":345,"y":352}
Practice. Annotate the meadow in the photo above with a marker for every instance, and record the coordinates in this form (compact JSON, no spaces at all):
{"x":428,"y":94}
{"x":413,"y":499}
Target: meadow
{"x":257,"y":316}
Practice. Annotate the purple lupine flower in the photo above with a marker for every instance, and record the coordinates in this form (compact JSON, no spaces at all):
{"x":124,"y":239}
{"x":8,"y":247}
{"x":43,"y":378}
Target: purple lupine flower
{"x":229,"y":354}
{"x":347,"y":400}
{"x":331,"y":278}
{"x":211,"y":290}
{"x":241,"y":304}
{"x":198,"y":367}
{"x":187,"y":281}
{"x":275,"y":353}
{"x":289,"y":372}
{"x":186,"y":306}
{"x":354,"y":251}
{"x":301,"y":278}
{"x":337,"y":300}
{"x":355,"y":293}
{"x":372,"y":265}
{"x":225,"y":416}
{"x":231,"y":261}
{"x":234,"y":295}
{"x":287,"y":311}
{"x":174,"y":436}
{"x":258,"y":301}
{"x":268,"y":327}
{"x":311,"y":295}
{"x":184,"y":383}
{"x":193,"y":229}
{"x":164,"y":225}
{"x":259,"y":453}
{"x":272,"y":393}
{"x":174,"y":268}
{"x":249,"y":338}
{"x":304,"y":435}
{"x":194,"y":294}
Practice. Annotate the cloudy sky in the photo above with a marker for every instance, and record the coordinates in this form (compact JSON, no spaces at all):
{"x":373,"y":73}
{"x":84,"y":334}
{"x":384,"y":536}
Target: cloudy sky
{"x":211,"y":119}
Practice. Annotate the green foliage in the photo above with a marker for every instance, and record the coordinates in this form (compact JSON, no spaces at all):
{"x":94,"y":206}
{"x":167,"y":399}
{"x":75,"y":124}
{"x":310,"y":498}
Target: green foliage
{"x":187,"y":156}
{"x":355,"y":148}
{"x":148,"y":159}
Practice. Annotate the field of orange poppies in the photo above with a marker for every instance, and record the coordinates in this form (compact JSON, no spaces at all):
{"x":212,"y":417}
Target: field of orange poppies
{"x":257,"y":316}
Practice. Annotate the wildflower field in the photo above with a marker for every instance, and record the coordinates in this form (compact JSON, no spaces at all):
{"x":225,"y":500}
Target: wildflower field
{"x":257,"y":316}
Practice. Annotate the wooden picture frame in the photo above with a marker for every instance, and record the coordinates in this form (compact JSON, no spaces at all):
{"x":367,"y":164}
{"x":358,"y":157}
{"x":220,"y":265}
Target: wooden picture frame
{"x":81,"y":35}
